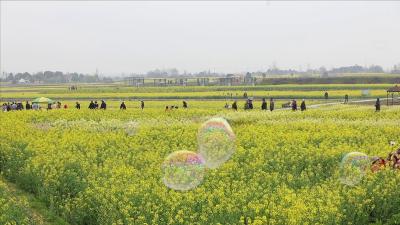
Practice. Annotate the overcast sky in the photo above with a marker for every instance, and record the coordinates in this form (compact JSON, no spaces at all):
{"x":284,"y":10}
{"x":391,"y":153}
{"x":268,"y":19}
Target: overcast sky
{"x":132,"y":36}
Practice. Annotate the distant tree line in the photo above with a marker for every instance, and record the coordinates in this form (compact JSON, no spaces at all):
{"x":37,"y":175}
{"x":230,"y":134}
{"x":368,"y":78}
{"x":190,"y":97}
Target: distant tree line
{"x":60,"y":77}
{"x":358,"y":69}
{"x":274,"y":70}
{"x":334,"y":80}
{"x":173,"y":72}
{"x":324,"y":71}
{"x":54,"y":77}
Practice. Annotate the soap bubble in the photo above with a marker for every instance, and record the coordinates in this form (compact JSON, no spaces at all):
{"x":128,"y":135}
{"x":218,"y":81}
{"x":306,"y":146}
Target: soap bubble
{"x":353,"y":167}
{"x":183,"y":170}
{"x":216,"y":142}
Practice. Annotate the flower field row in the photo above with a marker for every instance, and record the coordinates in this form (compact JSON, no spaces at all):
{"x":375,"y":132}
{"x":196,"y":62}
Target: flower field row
{"x":215,"y":92}
{"x":198,"y":95}
{"x":111,"y":88}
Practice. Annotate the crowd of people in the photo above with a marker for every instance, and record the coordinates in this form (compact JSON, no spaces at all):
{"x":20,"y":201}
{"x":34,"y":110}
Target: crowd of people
{"x":264,"y":105}
{"x":57,"y":105}
{"x":93,"y":105}
{"x":28,"y":106}
{"x":247,"y":106}
{"x":11,"y":106}
{"x":103,"y":105}
{"x":14,"y":106}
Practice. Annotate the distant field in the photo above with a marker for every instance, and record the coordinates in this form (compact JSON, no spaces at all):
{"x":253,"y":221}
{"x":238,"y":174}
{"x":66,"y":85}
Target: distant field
{"x":110,"y":91}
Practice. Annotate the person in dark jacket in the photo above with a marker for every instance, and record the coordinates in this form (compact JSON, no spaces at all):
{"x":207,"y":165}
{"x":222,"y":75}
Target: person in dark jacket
{"x":142,"y":104}
{"x":184,"y":103}
{"x":91,"y":105}
{"x":234,"y":105}
{"x":271,"y":104}
{"x":250,"y":104}
{"x":27,"y":105}
{"x":78,"y":105}
{"x":377,"y":105}
{"x":294,"y":105}
{"x":346,"y":99}
{"x":103,"y":105}
{"x":20,"y":106}
{"x":326,"y":95}
{"x":122,"y":106}
{"x":263,"y":104}
{"x":303,"y":105}
{"x":96,"y":105}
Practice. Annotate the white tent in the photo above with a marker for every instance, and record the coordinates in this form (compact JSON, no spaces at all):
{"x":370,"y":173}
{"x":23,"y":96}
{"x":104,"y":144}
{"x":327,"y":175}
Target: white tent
{"x":22,"y":81}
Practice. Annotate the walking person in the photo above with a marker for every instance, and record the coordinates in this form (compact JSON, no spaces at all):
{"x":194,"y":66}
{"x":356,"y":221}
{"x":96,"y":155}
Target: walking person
{"x":91,"y":105}
{"x":27,"y":106}
{"x":142,"y":104}
{"x":234,"y":106}
{"x":377,"y":105}
{"x":14,"y":106}
{"x":303,"y":105}
{"x":103,"y":105}
{"x":20,"y":106}
{"x":35,"y":106}
{"x":294,"y":105}
{"x":250,"y":103}
{"x":78,"y":105}
{"x":263,"y":104}
{"x":271,"y":104}
{"x":346,"y":99}
{"x":122,"y":106}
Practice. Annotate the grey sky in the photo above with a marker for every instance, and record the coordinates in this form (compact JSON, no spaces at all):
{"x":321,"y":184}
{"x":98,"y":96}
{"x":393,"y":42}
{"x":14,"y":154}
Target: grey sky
{"x":133,"y":36}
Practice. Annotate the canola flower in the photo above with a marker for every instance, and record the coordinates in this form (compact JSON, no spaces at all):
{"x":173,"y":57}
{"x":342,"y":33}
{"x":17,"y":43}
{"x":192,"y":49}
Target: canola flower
{"x":285,"y":169}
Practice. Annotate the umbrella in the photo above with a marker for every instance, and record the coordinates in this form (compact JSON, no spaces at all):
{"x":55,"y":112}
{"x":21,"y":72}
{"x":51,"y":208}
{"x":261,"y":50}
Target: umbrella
{"x":42,"y":100}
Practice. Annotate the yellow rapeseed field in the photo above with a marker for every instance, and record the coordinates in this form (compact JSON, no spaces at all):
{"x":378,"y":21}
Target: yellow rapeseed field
{"x":104,"y":167}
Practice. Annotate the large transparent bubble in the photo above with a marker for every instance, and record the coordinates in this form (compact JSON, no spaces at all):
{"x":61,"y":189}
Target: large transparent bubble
{"x":216,"y":142}
{"x":183,"y":170}
{"x":353,"y":168}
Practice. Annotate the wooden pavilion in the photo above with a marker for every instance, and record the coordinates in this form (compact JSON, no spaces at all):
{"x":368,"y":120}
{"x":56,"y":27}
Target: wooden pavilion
{"x":392,"y":91}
